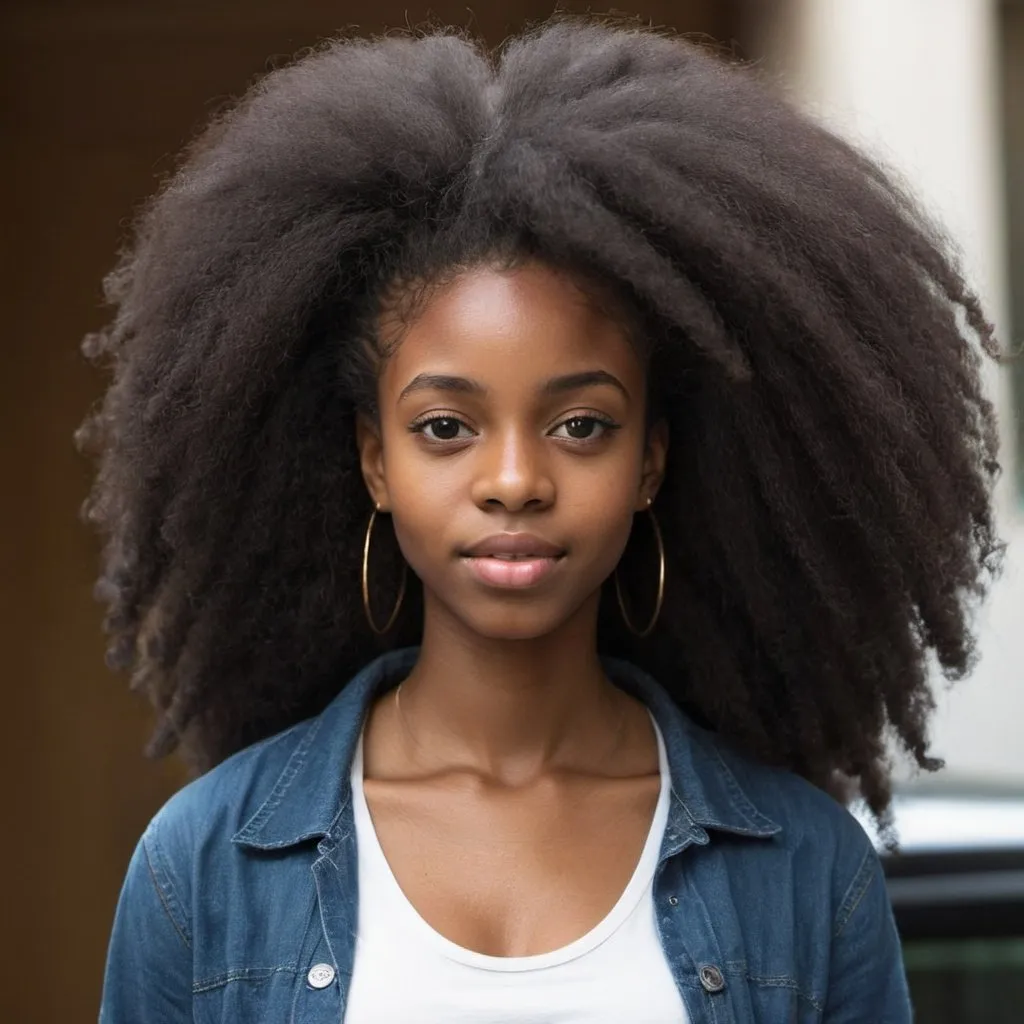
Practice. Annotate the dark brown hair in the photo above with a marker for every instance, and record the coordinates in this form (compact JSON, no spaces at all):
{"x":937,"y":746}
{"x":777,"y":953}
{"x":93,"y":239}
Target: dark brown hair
{"x":810,"y":339}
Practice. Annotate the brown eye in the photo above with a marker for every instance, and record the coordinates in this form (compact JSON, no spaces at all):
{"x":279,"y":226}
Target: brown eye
{"x":442,"y":428}
{"x":580,"y":427}
{"x":583,"y":428}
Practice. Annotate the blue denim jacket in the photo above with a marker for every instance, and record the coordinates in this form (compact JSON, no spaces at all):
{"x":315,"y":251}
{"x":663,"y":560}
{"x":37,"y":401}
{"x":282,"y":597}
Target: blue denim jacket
{"x":769,"y":896}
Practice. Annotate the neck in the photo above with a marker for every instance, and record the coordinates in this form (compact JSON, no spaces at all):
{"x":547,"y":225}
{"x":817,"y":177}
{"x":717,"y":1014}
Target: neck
{"x":511,"y":709}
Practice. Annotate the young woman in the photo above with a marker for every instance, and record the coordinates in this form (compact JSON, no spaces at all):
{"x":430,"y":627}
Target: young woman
{"x":531,"y":488}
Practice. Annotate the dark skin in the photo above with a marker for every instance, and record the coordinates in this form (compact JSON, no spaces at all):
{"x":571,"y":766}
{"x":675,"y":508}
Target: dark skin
{"x":512,"y":785}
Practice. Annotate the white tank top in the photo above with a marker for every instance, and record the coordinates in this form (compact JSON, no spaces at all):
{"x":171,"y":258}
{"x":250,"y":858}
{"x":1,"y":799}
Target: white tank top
{"x":405,"y":971}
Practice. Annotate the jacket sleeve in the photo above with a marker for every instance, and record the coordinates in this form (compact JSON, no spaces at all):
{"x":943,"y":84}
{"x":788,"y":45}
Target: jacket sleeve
{"x":149,"y":961}
{"x":867,"y":982}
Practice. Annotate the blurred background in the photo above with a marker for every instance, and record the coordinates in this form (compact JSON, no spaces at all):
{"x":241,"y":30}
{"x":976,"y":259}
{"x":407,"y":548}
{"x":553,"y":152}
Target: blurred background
{"x":96,"y":97}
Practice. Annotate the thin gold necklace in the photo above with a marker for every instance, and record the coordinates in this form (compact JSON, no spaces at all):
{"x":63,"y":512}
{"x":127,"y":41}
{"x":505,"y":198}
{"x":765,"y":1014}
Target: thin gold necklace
{"x":401,"y":716}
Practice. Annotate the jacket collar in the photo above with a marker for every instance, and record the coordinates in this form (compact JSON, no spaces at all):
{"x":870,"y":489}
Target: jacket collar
{"x":312,"y":792}
{"x":706,"y":795}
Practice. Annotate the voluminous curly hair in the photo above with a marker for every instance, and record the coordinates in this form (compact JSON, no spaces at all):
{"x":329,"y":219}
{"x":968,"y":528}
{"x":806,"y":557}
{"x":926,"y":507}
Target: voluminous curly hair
{"x":808,"y":335}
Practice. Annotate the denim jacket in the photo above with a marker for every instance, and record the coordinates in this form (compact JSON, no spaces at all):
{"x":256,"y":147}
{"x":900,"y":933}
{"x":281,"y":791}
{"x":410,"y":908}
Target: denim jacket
{"x":239,"y":903}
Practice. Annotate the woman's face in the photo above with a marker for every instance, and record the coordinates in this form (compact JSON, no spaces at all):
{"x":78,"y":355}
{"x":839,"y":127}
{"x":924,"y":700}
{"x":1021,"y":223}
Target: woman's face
{"x":511,"y":450}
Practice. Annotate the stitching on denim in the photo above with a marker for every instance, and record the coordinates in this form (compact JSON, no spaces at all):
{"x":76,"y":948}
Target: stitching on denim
{"x":242,"y":974}
{"x":284,"y":781}
{"x":784,"y":981}
{"x":741,"y":968}
{"x":740,"y":799}
{"x":346,"y":800}
{"x":168,"y":896}
{"x":855,"y":892}
{"x":697,"y":833}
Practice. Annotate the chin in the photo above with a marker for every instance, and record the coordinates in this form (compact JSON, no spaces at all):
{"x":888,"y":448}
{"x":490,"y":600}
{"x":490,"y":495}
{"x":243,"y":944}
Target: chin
{"x":507,"y":631}
{"x":506,"y":624}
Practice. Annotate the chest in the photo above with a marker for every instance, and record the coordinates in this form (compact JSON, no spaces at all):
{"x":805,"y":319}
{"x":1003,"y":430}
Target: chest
{"x":512,"y":873}
{"x":747,"y":910}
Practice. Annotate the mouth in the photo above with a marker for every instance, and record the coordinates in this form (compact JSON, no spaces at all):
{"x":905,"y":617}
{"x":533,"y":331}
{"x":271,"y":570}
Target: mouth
{"x":512,"y":560}
{"x":514,"y":546}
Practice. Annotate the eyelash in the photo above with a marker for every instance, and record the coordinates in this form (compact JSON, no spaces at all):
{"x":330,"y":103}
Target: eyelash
{"x":419,"y":426}
{"x":607,"y":426}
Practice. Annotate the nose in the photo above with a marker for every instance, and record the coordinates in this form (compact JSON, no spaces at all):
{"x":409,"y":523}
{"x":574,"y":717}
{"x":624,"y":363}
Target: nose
{"x":514,"y":474}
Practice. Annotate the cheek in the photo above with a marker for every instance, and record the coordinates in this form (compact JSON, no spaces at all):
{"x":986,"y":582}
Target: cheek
{"x":418,"y":485}
{"x":606,"y":526}
{"x":599,"y":511}
{"x":423,"y":507}
{"x":609,"y":504}
{"x":609,"y":484}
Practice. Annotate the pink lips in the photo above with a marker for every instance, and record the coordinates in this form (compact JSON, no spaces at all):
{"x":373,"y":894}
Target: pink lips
{"x":513,"y":560}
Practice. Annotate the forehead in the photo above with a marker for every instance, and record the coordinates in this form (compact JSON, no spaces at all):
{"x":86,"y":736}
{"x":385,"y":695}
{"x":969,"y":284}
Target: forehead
{"x":509,"y":327}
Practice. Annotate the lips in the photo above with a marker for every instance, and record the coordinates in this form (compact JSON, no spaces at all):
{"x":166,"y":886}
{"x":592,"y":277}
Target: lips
{"x":512,"y":560}
{"x":514,"y":546}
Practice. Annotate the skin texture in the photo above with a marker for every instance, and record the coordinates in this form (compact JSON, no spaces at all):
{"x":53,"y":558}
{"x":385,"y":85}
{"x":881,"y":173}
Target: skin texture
{"x":495,"y":784}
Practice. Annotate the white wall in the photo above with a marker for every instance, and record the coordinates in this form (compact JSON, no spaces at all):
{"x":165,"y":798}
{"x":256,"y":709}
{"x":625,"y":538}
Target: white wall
{"x":916,"y":83}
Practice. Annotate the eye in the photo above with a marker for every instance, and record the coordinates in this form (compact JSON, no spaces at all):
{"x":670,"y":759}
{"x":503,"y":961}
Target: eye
{"x":584,"y":428}
{"x":442,"y":428}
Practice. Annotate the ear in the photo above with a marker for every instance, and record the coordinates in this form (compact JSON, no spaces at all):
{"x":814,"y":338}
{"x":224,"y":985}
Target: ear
{"x":371,"y":459}
{"x":653,"y":471}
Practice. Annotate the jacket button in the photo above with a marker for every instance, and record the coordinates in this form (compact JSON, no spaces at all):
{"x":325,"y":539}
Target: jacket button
{"x":711,"y":978}
{"x":320,"y":976}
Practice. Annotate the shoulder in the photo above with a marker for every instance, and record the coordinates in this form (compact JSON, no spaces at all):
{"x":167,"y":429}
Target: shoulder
{"x":804,"y":810}
{"x":819,"y":867}
{"x":186,"y":852}
{"x":821,"y":891}
{"x":207,"y":812}
{"x":816,"y":831}
{"x":280,"y":792}
{"x":726,"y":790}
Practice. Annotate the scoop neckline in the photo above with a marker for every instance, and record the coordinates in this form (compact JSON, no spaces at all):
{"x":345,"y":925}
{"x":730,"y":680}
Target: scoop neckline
{"x":635,"y":889}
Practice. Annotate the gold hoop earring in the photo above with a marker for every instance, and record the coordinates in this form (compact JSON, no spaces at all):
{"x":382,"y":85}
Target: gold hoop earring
{"x":366,"y":581}
{"x":661,"y":583}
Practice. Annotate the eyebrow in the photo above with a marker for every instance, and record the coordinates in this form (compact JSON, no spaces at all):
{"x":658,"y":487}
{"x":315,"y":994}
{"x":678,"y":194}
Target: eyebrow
{"x":554,"y":386}
{"x":586,"y":379}
{"x":441,"y":382}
